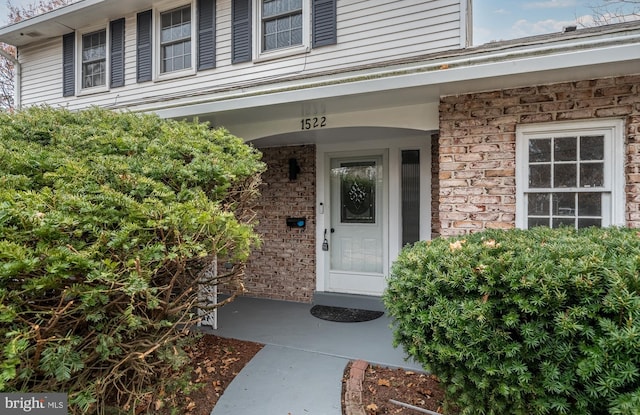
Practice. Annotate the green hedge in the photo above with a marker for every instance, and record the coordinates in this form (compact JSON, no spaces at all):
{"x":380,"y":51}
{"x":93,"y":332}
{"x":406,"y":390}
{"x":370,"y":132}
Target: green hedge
{"x":107,"y":222}
{"x":536,"y":321}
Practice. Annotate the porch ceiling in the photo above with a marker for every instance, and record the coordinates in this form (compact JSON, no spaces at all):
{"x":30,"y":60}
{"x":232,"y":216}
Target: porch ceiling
{"x":334,"y":136}
{"x":285,"y":105}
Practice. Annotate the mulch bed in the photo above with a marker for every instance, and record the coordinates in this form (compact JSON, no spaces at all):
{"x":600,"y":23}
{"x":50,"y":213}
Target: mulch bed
{"x":216,"y":362}
{"x":381,"y":384}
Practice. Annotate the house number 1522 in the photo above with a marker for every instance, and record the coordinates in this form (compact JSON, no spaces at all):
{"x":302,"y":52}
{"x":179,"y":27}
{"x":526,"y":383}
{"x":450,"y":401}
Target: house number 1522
{"x":311,"y":123}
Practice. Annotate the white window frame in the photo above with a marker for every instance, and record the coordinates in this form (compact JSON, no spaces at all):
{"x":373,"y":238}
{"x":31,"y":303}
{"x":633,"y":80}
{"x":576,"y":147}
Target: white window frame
{"x":613,"y":208}
{"x":78,"y":64}
{"x":158,"y":75}
{"x":260,"y":55}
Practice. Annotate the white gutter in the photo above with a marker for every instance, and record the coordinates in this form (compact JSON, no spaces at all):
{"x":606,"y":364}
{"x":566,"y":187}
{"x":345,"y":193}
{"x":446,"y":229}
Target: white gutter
{"x":17,"y":82}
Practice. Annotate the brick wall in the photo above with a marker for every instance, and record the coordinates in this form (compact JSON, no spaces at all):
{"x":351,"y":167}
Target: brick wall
{"x":283,"y":267}
{"x":435,"y":186}
{"x":477,"y":145}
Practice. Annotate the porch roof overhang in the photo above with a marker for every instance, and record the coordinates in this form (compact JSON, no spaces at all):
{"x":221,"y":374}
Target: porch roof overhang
{"x":417,"y":81}
{"x":589,"y":54}
{"x":68,"y":18}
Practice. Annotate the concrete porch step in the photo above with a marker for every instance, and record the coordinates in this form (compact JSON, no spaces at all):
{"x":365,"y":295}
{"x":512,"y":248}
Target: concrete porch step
{"x":364,"y":302}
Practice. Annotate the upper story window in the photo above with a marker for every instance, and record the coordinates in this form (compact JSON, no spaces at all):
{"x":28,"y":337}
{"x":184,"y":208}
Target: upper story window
{"x":268,"y":29}
{"x":175,"y":40}
{"x":281,"y":24}
{"x":570,"y":174}
{"x":94,"y":59}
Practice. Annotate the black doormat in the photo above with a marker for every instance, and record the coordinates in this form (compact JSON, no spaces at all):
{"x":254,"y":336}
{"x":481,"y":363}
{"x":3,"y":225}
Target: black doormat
{"x":344,"y":315}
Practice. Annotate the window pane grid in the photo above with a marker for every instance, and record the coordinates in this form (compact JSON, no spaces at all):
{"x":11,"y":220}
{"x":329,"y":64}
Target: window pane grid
{"x":576,"y":209}
{"x":175,"y":40}
{"x":277,"y":8}
{"x":94,"y":59}
{"x":566,"y":181}
{"x":281,"y":24}
{"x":553,"y":163}
{"x":94,"y":74}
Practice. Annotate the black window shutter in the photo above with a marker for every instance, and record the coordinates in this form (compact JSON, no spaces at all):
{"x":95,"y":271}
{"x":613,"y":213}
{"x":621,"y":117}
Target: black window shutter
{"x":144,"y":46}
{"x":117,"y":53}
{"x":241,"y":31}
{"x":68,"y":65}
{"x":324,"y":23}
{"x":206,"y":34}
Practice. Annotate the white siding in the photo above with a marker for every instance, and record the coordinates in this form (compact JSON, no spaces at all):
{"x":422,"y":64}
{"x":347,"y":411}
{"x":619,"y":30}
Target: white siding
{"x":41,"y":72}
{"x":370,"y":32}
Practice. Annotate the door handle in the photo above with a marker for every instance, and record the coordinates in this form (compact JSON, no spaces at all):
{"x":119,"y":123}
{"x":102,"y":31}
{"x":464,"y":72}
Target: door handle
{"x":332,"y":230}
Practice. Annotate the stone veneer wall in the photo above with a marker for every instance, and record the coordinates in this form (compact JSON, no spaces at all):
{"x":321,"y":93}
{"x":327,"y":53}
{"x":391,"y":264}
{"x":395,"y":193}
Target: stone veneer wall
{"x":477,"y":145}
{"x":283,"y":268}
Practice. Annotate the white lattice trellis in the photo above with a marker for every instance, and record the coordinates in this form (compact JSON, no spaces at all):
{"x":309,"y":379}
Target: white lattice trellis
{"x":208,"y":295}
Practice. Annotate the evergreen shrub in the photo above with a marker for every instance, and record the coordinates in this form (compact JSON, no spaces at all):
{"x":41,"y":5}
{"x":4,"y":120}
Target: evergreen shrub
{"x":109,"y":225}
{"x":540,"y":321}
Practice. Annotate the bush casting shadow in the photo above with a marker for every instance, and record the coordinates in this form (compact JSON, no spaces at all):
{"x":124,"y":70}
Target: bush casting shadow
{"x":534,"y":321}
{"x":110,"y":224}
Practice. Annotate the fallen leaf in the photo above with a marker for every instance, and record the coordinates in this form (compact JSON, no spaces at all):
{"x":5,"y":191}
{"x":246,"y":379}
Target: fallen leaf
{"x":229,"y":360}
{"x":408,"y":372}
{"x":480,"y":268}
{"x":454,"y":246}
{"x":491,"y":243}
{"x":372,"y":408}
{"x":217,"y":385}
{"x":191,"y":406}
{"x":384,"y":382}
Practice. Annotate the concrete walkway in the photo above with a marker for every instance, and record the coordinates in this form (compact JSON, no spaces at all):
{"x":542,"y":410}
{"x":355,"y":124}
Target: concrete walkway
{"x":299,"y":371}
{"x":280,"y":380}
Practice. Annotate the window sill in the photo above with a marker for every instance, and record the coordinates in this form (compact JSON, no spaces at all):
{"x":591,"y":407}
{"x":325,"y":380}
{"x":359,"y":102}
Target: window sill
{"x":92,"y":91}
{"x":171,"y":76}
{"x":281,"y":54}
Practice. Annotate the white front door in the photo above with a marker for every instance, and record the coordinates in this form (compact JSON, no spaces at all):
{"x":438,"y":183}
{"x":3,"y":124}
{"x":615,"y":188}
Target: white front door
{"x":358,"y":250}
